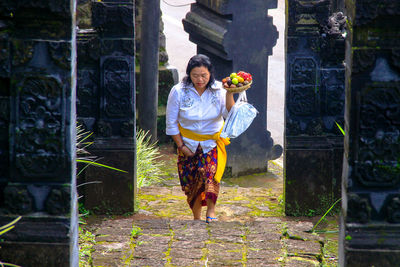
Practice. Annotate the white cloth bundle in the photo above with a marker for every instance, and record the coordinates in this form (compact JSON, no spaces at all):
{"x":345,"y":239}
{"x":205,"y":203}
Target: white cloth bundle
{"x":239,"y":117}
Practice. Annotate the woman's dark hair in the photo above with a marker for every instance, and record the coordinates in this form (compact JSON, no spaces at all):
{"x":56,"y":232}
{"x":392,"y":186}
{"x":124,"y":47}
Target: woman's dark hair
{"x":199,"y":60}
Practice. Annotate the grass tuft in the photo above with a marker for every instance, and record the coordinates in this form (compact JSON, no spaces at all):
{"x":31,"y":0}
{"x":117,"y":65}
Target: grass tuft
{"x":148,"y":160}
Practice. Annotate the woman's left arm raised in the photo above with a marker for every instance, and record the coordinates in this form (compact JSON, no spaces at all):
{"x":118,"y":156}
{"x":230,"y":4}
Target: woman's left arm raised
{"x":230,"y":101}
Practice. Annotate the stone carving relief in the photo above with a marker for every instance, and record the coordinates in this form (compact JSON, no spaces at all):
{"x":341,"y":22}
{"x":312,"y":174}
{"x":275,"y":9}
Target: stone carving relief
{"x":294,"y":127}
{"x":4,"y":136}
{"x":87,"y":93}
{"x":58,"y":201}
{"x":336,"y":24}
{"x":302,"y":95}
{"x":39,"y":120}
{"x":292,"y":44}
{"x":88,"y":48}
{"x":120,"y":47}
{"x":332,"y":47}
{"x":113,"y":18}
{"x":117,"y":82}
{"x":22,"y":52}
{"x":367,"y":10}
{"x":127,"y":129}
{"x":303,"y":71}
{"x":315,"y":98}
{"x":60,"y":52}
{"x":393,"y":210}
{"x":306,"y":16}
{"x":363,"y":59}
{"x":4,"y":55}
{"x":396,"y":58}
{"x":332,"y":92}
{"x":4,"y":109}
{"x":104,"y":129}
{"x":334,"y":99}
{"x":379,"y":136}
{"x":358,"y":209}
{"x":60,"y":6}
{"x":17,"y":200}
{"x":302,"y":99}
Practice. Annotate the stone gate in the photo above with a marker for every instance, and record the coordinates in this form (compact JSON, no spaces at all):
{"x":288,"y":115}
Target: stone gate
{"x":37,"y":113}
{"x":370,"y":223}
{"x":238,"y":36}
{"x":106,"y":105}
{"x":37,"y":132}
{"x":314,"y":106}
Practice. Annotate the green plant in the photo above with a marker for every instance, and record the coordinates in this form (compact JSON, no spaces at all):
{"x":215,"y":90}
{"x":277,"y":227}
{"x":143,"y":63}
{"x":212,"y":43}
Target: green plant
{"x":9,"y":226}
{"x":148,"y":164}
{"x":83,"y":212}
{"x":4,"y":229}
{"x":135,"y":231}
{"x":8,"y":264}
{"x":86,"y":243}
{"x":334,"y":204}
{"x":326,"y":213}
{"x":340,"y":128}
{"x":310,"y":213}
{"x":83,"y":156}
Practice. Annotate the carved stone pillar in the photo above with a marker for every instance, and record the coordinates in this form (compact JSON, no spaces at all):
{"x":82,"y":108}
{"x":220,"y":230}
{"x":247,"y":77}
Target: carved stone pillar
{"x":106,"y":105}
{"x":238,"y":36}
{"x":314,"y":104}
{"x":37,"y":132}
{"x":370,"y":225}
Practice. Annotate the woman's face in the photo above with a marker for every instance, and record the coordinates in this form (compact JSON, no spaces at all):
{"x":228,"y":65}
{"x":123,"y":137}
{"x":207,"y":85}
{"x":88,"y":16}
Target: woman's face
{"x":200,"y":77}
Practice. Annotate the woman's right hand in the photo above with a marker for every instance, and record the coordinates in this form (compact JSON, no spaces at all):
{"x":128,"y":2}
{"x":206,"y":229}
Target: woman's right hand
{"x":187,"y":152}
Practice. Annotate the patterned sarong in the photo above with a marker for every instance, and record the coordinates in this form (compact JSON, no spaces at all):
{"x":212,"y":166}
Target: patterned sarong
{"x":196,"y":175}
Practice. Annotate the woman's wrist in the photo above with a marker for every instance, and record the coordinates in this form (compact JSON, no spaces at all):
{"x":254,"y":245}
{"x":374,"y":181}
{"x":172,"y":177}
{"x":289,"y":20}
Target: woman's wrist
{"x":180,"y":147}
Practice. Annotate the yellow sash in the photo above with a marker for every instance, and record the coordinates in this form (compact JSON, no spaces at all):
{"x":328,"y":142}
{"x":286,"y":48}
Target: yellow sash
{"x":221,"y":143}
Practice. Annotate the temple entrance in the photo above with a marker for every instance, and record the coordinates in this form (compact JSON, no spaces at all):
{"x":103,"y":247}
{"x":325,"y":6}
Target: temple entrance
{"x":53,"y":73}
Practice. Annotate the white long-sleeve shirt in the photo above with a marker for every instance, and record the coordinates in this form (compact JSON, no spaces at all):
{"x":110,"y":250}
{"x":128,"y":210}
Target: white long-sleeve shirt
{"x":201,"y":114}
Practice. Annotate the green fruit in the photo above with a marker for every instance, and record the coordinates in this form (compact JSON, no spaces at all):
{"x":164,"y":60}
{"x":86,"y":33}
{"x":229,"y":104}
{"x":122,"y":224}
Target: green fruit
{"x":233,"y":75}
{"x":235,"y":81}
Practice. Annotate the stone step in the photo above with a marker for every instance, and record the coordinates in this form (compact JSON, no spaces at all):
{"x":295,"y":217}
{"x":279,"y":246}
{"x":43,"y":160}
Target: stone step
{"x":159,"y":242}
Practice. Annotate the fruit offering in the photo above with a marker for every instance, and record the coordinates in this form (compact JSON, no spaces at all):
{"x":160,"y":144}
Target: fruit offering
{"x":237,"y":80}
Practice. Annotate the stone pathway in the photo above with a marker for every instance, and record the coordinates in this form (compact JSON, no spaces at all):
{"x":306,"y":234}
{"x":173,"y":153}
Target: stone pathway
{"x":251,"y":229}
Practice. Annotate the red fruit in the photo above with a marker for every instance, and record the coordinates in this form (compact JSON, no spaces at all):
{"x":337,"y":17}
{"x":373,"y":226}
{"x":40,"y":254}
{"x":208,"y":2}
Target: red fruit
{"x":245,"y":76}
{"x":224,"y":80}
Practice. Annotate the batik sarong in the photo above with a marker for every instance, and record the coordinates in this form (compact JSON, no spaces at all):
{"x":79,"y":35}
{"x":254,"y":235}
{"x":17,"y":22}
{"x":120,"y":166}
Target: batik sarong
{"x":196,"y":175}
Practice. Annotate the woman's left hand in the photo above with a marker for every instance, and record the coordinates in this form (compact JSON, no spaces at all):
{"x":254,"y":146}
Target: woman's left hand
{"x":186,"y":151}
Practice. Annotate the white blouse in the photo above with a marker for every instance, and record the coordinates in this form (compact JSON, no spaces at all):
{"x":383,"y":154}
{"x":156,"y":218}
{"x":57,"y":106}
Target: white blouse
{"x":201,"y":114}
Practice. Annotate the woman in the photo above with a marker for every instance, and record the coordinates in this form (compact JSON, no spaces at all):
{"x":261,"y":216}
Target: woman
{"x":195,"y":112}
